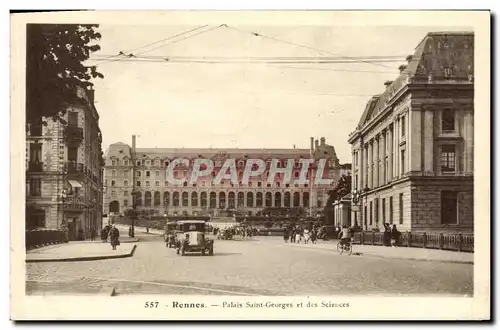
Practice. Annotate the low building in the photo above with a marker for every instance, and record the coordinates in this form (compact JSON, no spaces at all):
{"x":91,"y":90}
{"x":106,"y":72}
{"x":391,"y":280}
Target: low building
{"x":342,"y":212}
{"x":64,"y":171}
{"x":413,"y":149}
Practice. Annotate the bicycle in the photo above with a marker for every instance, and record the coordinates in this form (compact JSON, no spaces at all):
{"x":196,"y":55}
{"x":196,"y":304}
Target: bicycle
{"x":348,"y":247}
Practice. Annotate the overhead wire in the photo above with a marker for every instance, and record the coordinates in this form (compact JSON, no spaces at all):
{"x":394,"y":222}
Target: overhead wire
{"x":298,"y":45}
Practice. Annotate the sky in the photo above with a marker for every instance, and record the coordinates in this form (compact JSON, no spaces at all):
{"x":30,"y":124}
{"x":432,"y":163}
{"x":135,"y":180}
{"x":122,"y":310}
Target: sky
{"x":244,"y":105}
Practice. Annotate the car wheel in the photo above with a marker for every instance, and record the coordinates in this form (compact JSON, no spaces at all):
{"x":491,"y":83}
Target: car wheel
{"x":203,"y":252}
{"x":183,"y":252}
{"x":211,"y":251}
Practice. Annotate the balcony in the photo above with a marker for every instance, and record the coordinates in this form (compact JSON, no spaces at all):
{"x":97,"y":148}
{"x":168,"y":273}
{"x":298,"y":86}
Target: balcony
{"x":35,"y":166}
{"x":73,"y":134}
{"x":74,"y":203}
{"x":74,"y":168}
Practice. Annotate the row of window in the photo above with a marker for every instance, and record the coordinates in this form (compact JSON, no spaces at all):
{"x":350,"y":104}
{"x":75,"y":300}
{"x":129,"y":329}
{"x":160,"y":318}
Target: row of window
{"x":449,"y":209}
{"x":154,"y":199}
{"x":203,"y":184}
{"x":148,"y":162}
{"x":183,"y":174}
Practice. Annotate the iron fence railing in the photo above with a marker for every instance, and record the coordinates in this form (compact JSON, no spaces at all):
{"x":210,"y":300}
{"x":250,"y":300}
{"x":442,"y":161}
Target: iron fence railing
{"x":453,"y":242}
{"x":39,"y":238}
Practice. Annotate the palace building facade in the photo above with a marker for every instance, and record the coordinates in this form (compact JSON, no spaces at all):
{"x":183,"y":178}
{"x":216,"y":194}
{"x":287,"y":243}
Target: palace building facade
{"x":413,"y":149}
{"x":143,"y":173}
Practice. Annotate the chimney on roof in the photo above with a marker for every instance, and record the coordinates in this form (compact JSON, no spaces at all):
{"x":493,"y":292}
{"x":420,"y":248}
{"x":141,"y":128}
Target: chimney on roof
{"x":409,"y":58}
{"x":323,"y":141}
{"x":316,"y":143}
{"x":312,"y":143}
{"x":387,"y":83}
{"x":133,"y":144}
{"x":401,"y":68}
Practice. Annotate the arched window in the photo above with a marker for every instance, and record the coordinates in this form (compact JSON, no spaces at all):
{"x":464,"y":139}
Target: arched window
{"x":258,"y":200}
{"x":175,"y":199}
{"x":296,"y":199}
{"x":125,"y":183}
{"x":250,"y":199}
{"x":166,"y":199}
{"x":305,"y":199}
{"x":113,"y":183}
{"x":113,"y":173}
{"x":230,"y":200}
{"x":269,"y":199}
{"x":241,"y":199}
{"x":277,"y":199}
{"x":185,"y":199}
{"x":222,"y":200}
{"x":147,"y":198}
{"x":213,"y":200}
{"x":157,"y":198}
{"x":194,"y":198}
{"x":287,"y":199}
{"x":203,"y":199}
{"x":138,"y":198}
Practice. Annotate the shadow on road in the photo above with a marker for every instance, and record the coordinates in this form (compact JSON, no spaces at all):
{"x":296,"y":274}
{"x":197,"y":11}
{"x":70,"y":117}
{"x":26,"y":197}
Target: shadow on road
{"x":221,"y":254}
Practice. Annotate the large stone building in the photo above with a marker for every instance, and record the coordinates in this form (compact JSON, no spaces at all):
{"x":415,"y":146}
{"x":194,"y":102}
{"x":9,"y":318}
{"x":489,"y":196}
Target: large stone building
{"x":413,"y":149}
{"x":154,"y":193}
{"x":64,"y":171}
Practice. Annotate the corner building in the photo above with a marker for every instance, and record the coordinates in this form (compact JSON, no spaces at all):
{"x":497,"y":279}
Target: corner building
{"x":413,"y":149}
{"x":64,"y":171}
{"x":145,"y":175}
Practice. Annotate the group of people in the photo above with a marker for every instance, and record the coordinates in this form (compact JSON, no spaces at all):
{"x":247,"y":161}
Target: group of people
{"x":240,"y":230}
{"x":298,"y":234}
{"x":392,"y":236}
{"x":112,"y":234}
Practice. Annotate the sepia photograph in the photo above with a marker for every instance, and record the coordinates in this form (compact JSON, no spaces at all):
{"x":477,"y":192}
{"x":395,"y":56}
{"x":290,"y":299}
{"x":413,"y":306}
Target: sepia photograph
{"x":227,"y":159}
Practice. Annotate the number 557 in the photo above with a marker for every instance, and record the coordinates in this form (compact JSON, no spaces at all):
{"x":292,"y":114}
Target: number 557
{"x":151,"y":304}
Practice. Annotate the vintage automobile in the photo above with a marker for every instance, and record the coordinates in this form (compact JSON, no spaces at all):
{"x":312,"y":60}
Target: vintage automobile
{"x":193,"y":238}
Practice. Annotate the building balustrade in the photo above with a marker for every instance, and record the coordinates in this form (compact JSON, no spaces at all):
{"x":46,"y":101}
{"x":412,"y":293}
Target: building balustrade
{"x":73,"y":133}
{"x":35,"y":166}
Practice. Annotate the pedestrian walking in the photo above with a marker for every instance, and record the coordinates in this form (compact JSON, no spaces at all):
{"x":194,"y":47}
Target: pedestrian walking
{"x":114,"y":237}
{"x":285,"y":234}
{"x":395,"y":236}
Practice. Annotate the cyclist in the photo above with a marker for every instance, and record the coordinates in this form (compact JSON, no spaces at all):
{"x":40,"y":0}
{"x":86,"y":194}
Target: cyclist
{"x":345,"y":237}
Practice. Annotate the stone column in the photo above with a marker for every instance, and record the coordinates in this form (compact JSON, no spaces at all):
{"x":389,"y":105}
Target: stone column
{"x":396,"y":149}
{"x":376,"y":158}
{"x":428,"y":148}
{"x":390,"y":134}
{"x":383,"y":170}
{"x":414,"y":141}
{"x":469,"y":141}
{"x":370,"y":162}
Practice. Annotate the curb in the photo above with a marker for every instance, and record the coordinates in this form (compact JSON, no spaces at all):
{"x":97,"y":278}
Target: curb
{"x":121,"y":256}
{"x":396,"y":258}
{"x":128,"y":240}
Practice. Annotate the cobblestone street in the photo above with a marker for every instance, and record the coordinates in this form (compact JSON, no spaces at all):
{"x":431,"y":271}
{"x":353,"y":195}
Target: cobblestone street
{"x":259,"y":266}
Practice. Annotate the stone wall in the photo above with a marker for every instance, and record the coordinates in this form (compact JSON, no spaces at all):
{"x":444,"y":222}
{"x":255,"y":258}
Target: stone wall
{"x":426,"y":204}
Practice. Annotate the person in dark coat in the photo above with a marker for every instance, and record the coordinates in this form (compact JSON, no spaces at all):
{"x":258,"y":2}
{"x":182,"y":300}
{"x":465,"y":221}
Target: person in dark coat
{"x":114,"y":237}
{"x":387,"y":235}
{"x":395,"y":236}
{"x":285,"y":234}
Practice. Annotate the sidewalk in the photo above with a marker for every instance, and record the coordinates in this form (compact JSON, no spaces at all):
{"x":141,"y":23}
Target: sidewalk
{"x":80,"y":251}
{"x":142,"y":230}
{"x":418,"y":254}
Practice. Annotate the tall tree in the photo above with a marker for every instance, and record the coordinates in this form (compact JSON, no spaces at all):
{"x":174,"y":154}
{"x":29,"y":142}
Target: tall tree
{"x":55,"y":67}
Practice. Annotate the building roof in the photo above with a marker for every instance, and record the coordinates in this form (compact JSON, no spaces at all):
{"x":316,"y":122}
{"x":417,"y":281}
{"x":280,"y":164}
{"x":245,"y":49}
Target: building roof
{"x":433,"y":56}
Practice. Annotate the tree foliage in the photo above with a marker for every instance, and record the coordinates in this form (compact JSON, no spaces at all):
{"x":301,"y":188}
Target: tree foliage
{"x":342,"y":188}
{"x":55,"y":67}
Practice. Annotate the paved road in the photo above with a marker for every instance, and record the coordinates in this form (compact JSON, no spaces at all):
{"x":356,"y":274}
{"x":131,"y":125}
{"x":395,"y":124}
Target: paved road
{"x":260,"y":266}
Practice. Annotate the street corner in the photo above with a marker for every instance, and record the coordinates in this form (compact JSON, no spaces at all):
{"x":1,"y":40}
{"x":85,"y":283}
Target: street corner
{"x":70,"y":253}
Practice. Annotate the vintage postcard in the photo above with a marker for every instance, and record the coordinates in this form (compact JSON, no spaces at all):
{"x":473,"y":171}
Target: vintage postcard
{"x":329,"y":165}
